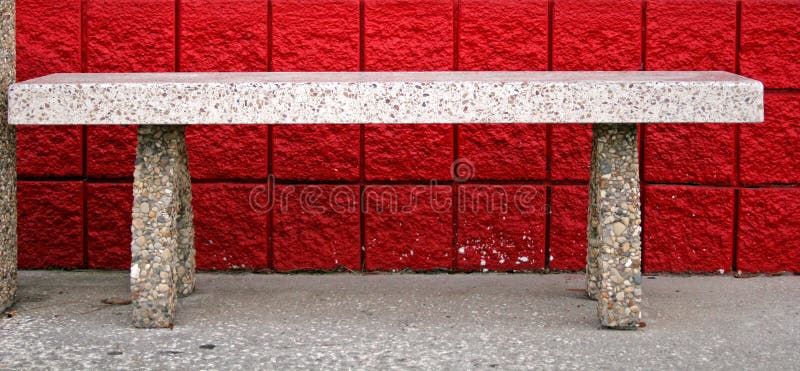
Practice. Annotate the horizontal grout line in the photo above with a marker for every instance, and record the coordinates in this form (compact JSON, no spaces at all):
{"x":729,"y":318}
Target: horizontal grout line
{"x":410,"y":183}
{"x":760,"y":186}
{"x":50,"y":179}
{"x":782,"y":90}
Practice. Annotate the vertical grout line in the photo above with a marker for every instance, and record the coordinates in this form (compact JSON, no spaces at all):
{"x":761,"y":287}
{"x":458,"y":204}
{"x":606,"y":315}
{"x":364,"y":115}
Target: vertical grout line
{"x":454,"y":188}
{"x":270,"y":66}
{"x":84,"y":138}
{"x":361,"y":36}
{"x":736,"y":201}
{"x":85,"y":212}
{"x":177,"y":35}
{"x":362,"y":135}
{"x":738,"y":128}
{"x":362,"y":205}
{"x":644,"y":35}
{"x":362,"y":221}
{"x":454,"y":204}
{"x":548,"y":194}
{"x":551,"y":12}
{"x":737,"y":66}
{"x":84,"y":35}
{"x":272,"y":186}
{"x":271,"y":213}
{"x":737,"y":133}
{"x":456,"y":32}
{"x":547,"y":223}
{"x":270,"y":156}
{"x":737,"y":156}
{"x":454,"y":201}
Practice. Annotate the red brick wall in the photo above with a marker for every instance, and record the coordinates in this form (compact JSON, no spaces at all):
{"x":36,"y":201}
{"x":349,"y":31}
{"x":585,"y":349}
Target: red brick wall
{"x":715,"y":196}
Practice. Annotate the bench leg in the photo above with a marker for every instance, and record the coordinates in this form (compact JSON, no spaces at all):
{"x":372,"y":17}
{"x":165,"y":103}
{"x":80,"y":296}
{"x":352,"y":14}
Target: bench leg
{"x":8,"y":215}
{"x":162,"y":246}
{"x":614,"y":254}
{"x":8,"y":162}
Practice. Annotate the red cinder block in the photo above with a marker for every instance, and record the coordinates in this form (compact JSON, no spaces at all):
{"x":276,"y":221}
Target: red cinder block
{"x":223,"y":35}
{"x":408,"y":152}
{"x":408,"y":35}
{"x":48,"y":41}
{"x":230,"y":228}
{"x":315,"y":35}
{"x":501,"y":228}
{"x":316,"y":227}
{"x":316,"y":152}
{"x":130,"y":35}
{"x":697,"y":154}
{"x":408,"y":227}
{"x":50,"y":224}
{"x":506,"y":152}
{"x":228,"y":151}
{"x":769,"y":151}
{"x":597,"y":35}
{"x":569,"y":206}
{"x":770,"y":44}
{"x":691,"y":35}
{"x":110,"y":151}
{"x":108,"y":220}
{"x":48,"y":37}
{"x":769,"y":239}
{"x":688,"y":229}
{"x":572,"y":152}
{"x":49,"y":151}
{"x":502,"y":35}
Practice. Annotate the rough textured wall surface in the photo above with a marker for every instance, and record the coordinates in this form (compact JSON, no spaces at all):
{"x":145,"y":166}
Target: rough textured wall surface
{"x":715,"y":197}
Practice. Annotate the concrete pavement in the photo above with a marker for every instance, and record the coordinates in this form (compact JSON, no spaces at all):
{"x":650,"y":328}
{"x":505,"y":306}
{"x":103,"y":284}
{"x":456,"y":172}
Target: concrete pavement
{"x":404,"y":321}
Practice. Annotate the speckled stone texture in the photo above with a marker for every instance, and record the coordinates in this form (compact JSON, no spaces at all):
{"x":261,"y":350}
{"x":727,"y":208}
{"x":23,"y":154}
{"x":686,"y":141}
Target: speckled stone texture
{"x":162,"y":248}
{"x":614,"y":257}
{"x":386,"y":97}
{"x":8,"y":162}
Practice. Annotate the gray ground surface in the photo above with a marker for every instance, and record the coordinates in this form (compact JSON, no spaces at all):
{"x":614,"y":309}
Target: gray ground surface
{"x":339,"y":321}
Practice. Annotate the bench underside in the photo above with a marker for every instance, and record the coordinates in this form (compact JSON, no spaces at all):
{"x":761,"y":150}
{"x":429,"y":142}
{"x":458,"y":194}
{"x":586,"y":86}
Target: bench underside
{"x":163,"y":254}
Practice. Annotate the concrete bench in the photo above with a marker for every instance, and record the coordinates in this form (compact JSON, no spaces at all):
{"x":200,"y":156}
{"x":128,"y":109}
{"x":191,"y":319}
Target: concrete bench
{"x":161,"y":103}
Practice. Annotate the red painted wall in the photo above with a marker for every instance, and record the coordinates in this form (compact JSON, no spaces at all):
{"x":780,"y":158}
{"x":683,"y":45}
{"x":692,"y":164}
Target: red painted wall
{"x":716,"y":197}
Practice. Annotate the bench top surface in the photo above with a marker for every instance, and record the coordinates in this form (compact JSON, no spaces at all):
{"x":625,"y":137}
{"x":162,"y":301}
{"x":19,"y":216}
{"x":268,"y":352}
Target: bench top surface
{"x":386,"y":97}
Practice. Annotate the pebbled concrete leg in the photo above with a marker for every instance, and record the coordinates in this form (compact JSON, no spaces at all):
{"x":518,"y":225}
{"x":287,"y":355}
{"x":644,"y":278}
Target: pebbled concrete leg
{"x":8,"y":160}
{"x":614,"y":255}
{"x":162,"y":244}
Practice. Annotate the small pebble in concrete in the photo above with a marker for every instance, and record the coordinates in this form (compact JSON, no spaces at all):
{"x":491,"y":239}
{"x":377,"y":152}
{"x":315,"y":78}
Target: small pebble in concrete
{"x":162,"y":248}
{"x":614,"y":257}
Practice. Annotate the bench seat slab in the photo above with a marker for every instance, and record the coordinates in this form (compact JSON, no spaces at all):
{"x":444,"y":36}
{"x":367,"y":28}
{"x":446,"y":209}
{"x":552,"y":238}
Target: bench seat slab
{"x":614,"y":256}
{"x":162,"y":246}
